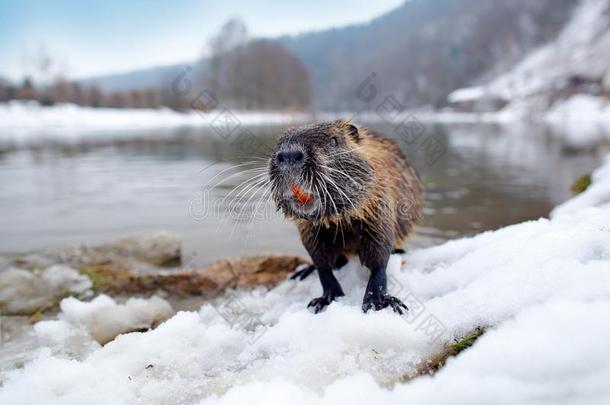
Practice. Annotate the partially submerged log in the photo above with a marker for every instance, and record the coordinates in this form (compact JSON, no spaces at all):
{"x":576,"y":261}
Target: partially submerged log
{"x":208,"y":281}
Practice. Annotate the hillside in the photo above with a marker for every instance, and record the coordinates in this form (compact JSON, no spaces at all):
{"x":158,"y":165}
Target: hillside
{"x":419,"y":52}
{"x":426,"y":48}
{"x":564,"y":83}
{"x":577,"y":61}
{"x":136,"y":79}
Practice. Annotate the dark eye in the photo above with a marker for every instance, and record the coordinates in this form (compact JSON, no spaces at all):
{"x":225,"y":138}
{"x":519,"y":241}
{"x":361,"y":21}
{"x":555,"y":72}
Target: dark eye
{"x":333,"y":141}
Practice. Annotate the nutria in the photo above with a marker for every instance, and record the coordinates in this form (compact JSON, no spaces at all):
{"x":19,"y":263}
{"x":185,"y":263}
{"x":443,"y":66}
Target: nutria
{"x":350,"y":191}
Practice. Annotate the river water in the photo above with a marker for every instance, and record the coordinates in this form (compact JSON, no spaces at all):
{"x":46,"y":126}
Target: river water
{"x":57,"y":194}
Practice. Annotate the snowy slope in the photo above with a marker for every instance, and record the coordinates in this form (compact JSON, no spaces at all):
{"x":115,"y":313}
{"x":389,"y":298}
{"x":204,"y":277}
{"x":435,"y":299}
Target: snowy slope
{"x":542,"y":287}
{"x":541,"y":87}
{"x":581,"y":120}
{"x":583,"y":47}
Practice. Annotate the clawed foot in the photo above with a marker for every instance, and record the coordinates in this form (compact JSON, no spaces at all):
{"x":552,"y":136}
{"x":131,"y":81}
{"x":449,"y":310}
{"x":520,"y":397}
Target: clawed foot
{"x":303,"y":273}
{"x":319,"y":304}
{"x":378,"y":302}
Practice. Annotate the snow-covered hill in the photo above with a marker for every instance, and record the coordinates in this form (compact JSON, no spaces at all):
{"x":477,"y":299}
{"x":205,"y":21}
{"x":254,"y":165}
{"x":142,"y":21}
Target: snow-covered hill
{"x":581,"y":49}
{"x":564,"y":82}
{"x":541,"y":288}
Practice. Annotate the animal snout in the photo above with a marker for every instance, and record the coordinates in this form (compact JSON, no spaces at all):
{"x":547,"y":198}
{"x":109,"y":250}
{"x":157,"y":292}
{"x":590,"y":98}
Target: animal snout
{"x":290,"y":158}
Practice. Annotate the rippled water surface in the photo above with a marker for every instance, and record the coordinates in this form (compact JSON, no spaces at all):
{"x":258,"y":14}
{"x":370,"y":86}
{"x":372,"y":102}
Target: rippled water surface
{"x":61,"y":194}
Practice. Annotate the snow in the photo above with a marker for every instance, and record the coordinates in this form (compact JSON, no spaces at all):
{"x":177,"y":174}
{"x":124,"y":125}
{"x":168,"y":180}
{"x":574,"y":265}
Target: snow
{"x":27,"y":121}
{"x":23,"y":291}
{"x":582,"y":47}
{"x":104,"y":319}
{"x":542,"y":288}
{"x":581,"y":120}
{"x":466,"y":94}
{"x":522,"y":362}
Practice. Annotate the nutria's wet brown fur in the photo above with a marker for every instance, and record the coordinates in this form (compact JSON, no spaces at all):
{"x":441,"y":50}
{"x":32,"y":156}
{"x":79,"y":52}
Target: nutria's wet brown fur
{"x":365,"y":200}
{"x":392,"y":196}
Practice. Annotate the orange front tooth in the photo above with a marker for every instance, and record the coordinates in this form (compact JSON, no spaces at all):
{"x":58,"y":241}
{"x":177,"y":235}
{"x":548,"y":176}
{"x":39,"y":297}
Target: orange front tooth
{"x":300,"y":194}
{"x":304,"y":198}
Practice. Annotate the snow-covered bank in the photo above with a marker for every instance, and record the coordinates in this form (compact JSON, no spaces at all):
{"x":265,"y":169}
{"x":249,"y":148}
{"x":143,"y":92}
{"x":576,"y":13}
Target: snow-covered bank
{"x":27,"y":121}
{"x":582,"y":121}
{"x":542,"y":287}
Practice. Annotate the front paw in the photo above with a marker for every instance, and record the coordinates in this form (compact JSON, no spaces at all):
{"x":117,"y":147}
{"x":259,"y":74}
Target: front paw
{"x":319,"y":304}
{"x":378,"y":302}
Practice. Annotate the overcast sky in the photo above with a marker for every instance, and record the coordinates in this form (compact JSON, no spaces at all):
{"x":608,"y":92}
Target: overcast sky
{"x":90,"y":38}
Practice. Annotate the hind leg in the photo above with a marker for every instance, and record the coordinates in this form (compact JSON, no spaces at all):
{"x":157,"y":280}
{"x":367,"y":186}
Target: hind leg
{"x":307,"y":270}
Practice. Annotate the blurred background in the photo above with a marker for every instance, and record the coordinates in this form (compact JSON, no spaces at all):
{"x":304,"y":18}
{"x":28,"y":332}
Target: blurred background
{"x":123,"y":118}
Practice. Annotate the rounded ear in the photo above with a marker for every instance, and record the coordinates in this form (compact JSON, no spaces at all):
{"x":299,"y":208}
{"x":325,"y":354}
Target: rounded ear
{"x":352,"y":130}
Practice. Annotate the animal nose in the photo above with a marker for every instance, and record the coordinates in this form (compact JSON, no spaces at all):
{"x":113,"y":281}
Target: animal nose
{"x":290,"y":157}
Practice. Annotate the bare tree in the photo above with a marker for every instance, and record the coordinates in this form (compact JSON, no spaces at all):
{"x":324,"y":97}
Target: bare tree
{"x":274,"y":78}
{"x":27,"y":91}
{"x":260,"y":74}
{"x":152,"y":99}
{"x":93,"y":97}
{"x":61,"y":91}
{"x":231,"y":36}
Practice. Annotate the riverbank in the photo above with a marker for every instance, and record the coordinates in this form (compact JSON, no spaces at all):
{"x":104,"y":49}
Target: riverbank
{"x":22,"y":123}
{"x":581,"y":120}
